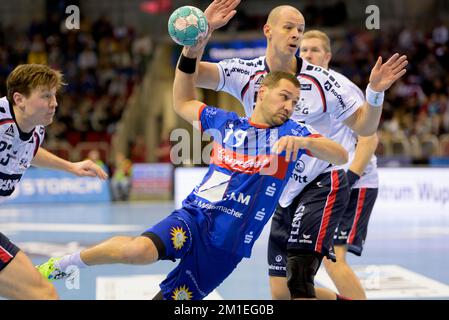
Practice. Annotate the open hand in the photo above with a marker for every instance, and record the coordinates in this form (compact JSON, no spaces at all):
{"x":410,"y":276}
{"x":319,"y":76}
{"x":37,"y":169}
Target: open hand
{"x":219,"y":12}
{"x":384,"y":75}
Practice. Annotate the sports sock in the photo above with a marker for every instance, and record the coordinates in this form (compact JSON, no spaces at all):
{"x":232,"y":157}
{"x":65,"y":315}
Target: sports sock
{"x":71,"y":260}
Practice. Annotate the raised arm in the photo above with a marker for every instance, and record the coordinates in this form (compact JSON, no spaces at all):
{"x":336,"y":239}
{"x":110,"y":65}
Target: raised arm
{"x":218,"y":14}
{"x":318,"y":147}
{"x":85,"y":168}
{"x":184,"y":94}
{"x":366,"y":119}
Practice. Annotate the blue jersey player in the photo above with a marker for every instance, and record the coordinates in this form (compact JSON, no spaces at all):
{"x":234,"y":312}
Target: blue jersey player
{"x":224,"y":215}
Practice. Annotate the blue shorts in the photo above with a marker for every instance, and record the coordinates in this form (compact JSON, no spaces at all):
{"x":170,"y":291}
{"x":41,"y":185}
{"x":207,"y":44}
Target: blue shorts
{"x":353,"y":226}
{"x":7,"y":251}
{"x":309,"y":223}
{"x":202,"y":267}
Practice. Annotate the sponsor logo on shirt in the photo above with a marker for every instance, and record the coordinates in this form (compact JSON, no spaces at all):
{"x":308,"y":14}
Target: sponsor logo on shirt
{"x":228,"y":71}
{"x":340,"y":99}
{"x":306,"y":86}
{"x":10,"y":131}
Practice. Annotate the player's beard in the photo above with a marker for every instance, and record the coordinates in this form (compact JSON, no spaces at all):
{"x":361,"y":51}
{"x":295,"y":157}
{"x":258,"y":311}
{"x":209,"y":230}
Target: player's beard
{"x":281,"y":119}
{"x":277,"y":119}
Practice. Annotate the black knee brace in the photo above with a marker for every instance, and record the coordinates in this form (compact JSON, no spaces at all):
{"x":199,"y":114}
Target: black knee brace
{"x":301,"y":270}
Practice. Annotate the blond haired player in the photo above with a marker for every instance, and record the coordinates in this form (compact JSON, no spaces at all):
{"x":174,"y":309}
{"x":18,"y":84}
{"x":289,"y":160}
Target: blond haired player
{"x":29,"y":106}
{"x":361,"y":171}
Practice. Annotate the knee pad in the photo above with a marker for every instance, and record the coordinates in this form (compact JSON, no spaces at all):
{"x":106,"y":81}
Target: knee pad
{"x":301,"y":270}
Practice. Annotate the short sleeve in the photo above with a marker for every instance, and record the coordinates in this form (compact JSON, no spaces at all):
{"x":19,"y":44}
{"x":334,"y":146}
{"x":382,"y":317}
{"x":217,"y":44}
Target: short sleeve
{"x":234,"y":75}
{"x":214,"y":118}
{"x":304,"y":130}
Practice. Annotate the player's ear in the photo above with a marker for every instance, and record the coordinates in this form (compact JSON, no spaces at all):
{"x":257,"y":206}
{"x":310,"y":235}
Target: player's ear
{"x":18,"y":99}
{"x":328,"y":58}
{"x":267,"y":31}
{"x":262,"y":92}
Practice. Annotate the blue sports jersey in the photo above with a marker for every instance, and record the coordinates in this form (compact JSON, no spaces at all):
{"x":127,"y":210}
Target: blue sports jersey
{"x":245,"y":180}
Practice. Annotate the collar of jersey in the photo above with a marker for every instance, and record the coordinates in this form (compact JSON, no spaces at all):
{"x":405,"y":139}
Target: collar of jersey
{"x":298,"y":65}
{"x":258,"y":125}
{"x":24,"y":136}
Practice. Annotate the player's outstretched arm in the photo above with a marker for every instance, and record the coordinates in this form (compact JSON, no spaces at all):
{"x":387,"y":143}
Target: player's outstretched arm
{"x":319,"y":147}
{"x":85,"y":168}
{"x":218,"y":14}
{"x":366,"y":120}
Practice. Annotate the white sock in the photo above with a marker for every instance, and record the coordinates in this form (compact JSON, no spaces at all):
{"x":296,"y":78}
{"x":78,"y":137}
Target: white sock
{"x":71,"y":260}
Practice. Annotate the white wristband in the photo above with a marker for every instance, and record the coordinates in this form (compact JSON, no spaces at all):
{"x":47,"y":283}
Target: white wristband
{"x":374,"y":98}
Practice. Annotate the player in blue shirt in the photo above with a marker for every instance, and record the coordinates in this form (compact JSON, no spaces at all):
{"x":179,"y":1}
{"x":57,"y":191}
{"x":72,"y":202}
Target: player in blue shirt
{"x":223,"y":216}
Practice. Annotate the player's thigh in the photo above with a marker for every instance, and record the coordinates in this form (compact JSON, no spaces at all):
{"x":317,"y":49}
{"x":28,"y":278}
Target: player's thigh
{"x":320,"y":207}
{"x":172,"y":236}
{"x":201,"y":270}
{"x":277,"y":242}
{"x":20,"y":280}
{"x":354,"y":228}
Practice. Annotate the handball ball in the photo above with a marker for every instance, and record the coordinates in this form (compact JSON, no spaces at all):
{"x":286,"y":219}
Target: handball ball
{"x":187,"y":25}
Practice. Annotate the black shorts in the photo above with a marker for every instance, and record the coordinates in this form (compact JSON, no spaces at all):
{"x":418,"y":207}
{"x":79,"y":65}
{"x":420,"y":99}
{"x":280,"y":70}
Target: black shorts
{"x":309,"y":223}
{"x":353,"y":226}
{"x":7,"y":251}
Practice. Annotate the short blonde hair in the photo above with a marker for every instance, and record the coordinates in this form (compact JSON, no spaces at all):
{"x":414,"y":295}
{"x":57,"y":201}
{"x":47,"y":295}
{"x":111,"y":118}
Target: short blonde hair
{"x":27,"y":77}
{"x":312,"y":34}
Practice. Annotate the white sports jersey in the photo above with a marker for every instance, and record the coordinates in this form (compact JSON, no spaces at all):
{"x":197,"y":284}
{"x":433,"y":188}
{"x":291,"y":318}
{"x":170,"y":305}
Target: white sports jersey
{"x":369,"y":178}
{"x":17,"y":148}
{"x":323,"y":100}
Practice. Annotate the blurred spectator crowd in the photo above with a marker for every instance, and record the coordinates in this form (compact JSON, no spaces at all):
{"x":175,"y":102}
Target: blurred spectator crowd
{"x":415,"y":120}
{"x":101,"y":64}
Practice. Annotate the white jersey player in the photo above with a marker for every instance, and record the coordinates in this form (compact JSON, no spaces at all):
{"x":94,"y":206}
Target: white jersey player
{"x":29,"y":106}
{"x":17,"y":148}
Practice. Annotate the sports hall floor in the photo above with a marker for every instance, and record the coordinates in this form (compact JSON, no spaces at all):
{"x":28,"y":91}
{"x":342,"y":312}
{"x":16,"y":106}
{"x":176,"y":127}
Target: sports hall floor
{"x":405,"y":255}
